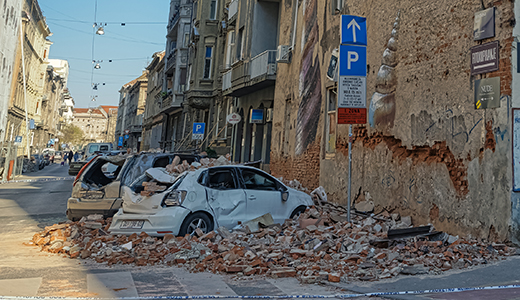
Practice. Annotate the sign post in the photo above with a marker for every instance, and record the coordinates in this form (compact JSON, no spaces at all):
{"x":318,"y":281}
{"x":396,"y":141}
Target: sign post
{"x":352,"y":85}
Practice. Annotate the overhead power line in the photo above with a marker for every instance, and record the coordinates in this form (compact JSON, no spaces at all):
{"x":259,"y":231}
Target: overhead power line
{"x":120,"y":23}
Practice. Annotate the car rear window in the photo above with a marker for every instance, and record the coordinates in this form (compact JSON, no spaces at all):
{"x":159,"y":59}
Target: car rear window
{"x":103,"y":148}
{"x":93,"y":148}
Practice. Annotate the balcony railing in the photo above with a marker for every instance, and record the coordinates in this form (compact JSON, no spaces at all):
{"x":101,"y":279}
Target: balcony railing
{"x":226,"y":80}
{"x":171,"y":59}
{"x":233,"y":9}
{"x":263,"y":64}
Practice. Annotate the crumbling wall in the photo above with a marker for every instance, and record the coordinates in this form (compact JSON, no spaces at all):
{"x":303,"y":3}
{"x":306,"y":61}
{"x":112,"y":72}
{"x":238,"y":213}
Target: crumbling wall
{"x":441,"y":160}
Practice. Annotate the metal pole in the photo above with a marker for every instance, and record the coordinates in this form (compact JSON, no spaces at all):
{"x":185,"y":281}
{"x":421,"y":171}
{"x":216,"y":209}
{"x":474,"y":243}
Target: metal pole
{"x":349,"y":169}
{"x":24,"y":92}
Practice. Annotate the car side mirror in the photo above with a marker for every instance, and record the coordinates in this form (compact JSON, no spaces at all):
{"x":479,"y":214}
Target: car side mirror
{"x":285,"y":195}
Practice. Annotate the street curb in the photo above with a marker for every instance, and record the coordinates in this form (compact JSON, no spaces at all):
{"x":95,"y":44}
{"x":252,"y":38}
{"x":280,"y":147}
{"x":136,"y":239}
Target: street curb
{"x":37,"y":180}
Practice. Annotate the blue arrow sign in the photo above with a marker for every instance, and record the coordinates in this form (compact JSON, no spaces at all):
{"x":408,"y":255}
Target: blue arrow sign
{"x":353,"y":30}
{"x":352,"y":60}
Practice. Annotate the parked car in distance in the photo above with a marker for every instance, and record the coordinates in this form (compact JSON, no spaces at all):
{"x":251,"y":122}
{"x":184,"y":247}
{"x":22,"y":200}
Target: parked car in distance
{"x":206,"y":199}
{"x":97,"y":189}
{"x":57,"y":155}
{"x":38,"y":160}
{"x":92,"y":148}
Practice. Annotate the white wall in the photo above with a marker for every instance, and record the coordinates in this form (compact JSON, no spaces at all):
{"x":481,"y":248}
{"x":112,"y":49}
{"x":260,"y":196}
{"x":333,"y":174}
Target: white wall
{"x":9,"y":31}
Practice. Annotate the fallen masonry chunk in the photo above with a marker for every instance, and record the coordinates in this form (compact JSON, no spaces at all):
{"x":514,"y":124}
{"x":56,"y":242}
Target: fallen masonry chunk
{"x":408,"y":232}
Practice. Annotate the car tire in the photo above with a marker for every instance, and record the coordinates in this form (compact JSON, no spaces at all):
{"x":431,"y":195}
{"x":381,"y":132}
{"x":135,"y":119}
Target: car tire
{"x":194,"y":221}
{"x":298,"y":211}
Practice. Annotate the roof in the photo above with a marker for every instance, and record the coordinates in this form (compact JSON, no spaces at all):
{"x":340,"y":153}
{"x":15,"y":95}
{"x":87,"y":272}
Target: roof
{"x":107,"y":108}
{"x":86,"y":111}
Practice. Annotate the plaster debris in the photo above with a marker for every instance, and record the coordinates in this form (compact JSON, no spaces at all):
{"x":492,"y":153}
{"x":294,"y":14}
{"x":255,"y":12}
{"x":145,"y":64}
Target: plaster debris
{"x":319,"y":246}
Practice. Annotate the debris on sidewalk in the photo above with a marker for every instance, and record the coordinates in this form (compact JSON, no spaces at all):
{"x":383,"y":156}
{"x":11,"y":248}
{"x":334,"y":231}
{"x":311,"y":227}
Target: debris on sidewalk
{"x":320,"y":245}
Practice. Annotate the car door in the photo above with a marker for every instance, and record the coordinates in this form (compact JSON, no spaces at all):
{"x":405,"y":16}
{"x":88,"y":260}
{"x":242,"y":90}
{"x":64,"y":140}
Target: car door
{"x":225,"y":197}
{"x":263,"y":195}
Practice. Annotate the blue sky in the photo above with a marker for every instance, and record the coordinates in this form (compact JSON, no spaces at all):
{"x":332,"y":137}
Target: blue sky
{"x":130,"y":47}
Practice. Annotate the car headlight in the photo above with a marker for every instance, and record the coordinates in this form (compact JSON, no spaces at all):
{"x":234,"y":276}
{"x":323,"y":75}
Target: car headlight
{"x":175,"y":198}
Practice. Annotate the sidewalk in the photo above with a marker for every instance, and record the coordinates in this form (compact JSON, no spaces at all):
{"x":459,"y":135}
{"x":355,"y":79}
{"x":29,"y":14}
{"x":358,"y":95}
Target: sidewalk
{"x":50,"y":171}
{"x":502,"y":273}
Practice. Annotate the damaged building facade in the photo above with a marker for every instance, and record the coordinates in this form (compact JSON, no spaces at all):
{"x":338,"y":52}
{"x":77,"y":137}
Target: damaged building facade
{"x":427,"y":149}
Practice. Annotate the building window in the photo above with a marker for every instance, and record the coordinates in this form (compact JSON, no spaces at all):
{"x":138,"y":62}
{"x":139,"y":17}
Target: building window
{"x":213,"y":10}
{"x":186,"y":30}
{"x":330,"y":141}
{"x":207,"y":62}
{"x":230,"y":46}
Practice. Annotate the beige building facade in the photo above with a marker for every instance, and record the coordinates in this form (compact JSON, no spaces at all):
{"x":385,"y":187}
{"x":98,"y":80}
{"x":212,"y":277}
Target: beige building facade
{"x":35,"y":57}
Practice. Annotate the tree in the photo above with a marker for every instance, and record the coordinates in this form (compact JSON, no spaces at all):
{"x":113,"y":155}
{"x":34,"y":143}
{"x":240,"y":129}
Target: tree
{"x":72,"y":135}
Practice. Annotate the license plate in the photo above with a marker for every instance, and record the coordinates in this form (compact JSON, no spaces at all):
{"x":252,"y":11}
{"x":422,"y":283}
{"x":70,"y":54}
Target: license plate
{"x":132,"y":224}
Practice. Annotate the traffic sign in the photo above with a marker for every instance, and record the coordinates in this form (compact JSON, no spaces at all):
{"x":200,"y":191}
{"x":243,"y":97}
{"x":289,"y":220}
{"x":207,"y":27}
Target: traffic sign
{"x":352,"y":115}
{"x":198,"y":131}
{"x":18,"y":140}
{"x":352,"y":91}
{"x":352,"y":60}
{"x":120,"y":141}
{"x":353,"y":30}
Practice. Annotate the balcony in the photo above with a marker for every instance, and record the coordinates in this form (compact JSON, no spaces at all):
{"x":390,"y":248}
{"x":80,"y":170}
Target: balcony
{"x":233,"y":10}
{"x":250,"y":76}
{"x":263,"y":64}
{"x":226,"y":80}
{"x":171,"y":60}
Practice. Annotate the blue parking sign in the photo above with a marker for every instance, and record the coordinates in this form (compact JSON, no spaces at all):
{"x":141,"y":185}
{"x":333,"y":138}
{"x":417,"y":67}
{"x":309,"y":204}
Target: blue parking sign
{"x":198,"y":131}
{"x":352,"y":60}
{"x":120,"y":142}
{"x":198,"y":128}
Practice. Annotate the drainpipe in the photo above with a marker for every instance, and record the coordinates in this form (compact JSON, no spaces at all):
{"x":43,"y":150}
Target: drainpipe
{"x":294,"y":26}
{"x":24,"y":91}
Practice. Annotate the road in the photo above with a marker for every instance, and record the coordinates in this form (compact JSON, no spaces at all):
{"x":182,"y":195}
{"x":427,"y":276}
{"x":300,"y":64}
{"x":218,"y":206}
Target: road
{"x":40,"y":200}
{"x":27,"y":207}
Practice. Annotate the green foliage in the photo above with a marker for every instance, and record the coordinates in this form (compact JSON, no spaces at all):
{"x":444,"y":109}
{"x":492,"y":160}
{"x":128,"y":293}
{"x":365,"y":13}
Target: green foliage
{"x":72,"y":135}
{"x":211,"y":153}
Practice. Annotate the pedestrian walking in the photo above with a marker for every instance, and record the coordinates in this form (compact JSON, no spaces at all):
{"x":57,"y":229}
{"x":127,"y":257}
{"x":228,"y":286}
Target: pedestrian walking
{"x":76,"y":156}
{"x":70,"y":156}
{"x":64,"y":159}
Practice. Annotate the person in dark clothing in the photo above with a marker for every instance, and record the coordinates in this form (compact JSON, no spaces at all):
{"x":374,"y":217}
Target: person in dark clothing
{"x":70,"y":156}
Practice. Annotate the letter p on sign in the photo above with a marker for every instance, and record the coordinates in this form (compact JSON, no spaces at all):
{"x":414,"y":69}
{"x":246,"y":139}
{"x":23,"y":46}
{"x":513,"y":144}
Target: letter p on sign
{"x":352,"y":57}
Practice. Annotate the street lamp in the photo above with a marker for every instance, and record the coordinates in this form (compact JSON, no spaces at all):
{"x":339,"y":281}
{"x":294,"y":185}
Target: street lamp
{"x":100,"y":31}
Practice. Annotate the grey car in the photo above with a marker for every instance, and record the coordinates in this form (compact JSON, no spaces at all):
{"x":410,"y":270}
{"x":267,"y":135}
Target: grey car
{"x":97,"y":189}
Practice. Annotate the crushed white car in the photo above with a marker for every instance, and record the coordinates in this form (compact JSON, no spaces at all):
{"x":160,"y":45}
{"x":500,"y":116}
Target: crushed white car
{"x":206,"y":199}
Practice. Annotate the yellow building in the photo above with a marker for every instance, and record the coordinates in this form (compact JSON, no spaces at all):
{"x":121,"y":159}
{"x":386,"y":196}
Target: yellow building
{"x":35,"y":60}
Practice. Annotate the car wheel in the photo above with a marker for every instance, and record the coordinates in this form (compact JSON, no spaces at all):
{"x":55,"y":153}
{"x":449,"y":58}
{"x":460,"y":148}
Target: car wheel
{"x":297,"y":212}
{"x":194,"y":221}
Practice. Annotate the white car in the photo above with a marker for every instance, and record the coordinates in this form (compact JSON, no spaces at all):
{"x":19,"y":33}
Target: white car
{"x":206,"y":199}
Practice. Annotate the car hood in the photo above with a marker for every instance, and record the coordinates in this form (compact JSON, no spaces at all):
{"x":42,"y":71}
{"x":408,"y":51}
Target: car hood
{"x":135,"y":203}
{"x":302,"y":197}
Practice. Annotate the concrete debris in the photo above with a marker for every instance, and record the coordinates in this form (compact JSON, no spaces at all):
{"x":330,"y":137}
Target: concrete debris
{"x":320,"y":194}
{"x":365,"y":206}
{"x":319,"y":246}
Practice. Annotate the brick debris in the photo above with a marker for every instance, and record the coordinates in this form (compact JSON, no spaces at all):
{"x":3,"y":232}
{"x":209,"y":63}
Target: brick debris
{"x":319,"y":246}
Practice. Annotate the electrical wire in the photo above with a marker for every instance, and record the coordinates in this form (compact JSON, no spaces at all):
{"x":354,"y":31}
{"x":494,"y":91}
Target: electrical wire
{"x":130,"y":40}
{"x":121,"y":23}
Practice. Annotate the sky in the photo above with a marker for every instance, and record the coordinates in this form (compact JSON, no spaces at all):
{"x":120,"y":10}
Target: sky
{"x":130,"y":47}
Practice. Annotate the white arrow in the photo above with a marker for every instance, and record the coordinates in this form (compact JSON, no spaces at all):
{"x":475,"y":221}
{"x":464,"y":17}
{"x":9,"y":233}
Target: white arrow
{"x":353,"y":24}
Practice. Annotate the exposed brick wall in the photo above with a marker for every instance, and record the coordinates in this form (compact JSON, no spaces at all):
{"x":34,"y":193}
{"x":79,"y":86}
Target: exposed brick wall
{"x":505,"y":67}
{"x":305,"y":168}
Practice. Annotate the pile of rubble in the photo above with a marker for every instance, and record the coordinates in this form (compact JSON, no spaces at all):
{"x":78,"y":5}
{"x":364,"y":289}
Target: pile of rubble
{"x":320,"y":245}
{"x":177,"y":167}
